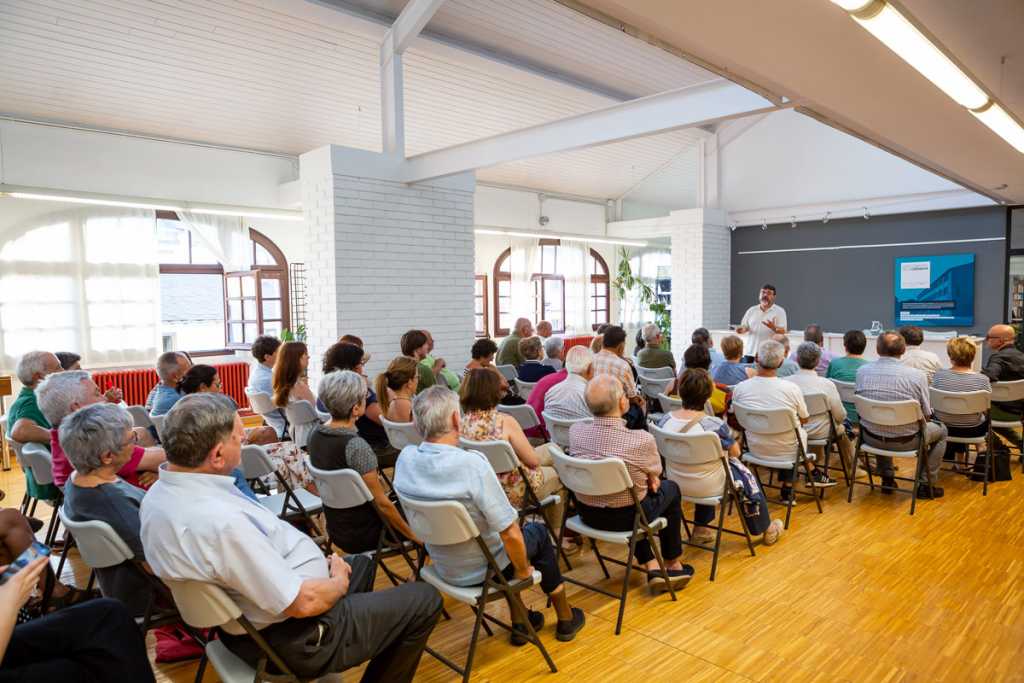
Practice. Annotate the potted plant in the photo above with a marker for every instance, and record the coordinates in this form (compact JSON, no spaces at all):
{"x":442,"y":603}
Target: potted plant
{"x":625,"y":282}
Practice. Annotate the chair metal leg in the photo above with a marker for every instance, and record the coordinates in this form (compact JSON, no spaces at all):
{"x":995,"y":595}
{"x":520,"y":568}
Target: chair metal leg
{"x":807,"y":473}
{"x":718,"y":539}
{"x":625,"y":582}
{"x":472,"y":642}
{"x":743,"y":521}
{"x":532,"y":636}
{"x":201,"y":669}
{"x":853,"y":474}
{"x":988,"y":461}
{"x":600,"y":559}
{"x":656,"y":549}
{"x":917,"y":480}
{"x":69,"y":541}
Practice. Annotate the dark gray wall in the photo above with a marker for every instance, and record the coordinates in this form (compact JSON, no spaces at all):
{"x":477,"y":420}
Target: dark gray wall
{"x":848,"y":288}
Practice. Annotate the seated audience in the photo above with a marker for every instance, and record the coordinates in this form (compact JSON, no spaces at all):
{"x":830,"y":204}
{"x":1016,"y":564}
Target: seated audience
{"x":338,"y":445}
{"x":289,"y":377}
{"x":1005,"y":364}
{"x":26,"y":423}
{"x":98,"y":441}
{"x":69,"y":360}
{"x":808,"y":356}
{"x":544,"y":329}
{"x":813,"y":333}
{"x":508,"y":352}
{"x":414,"y":345}
{"x":598,"y":341}
{"x":766,"y":391}
{"x":961,"y":378}
{"x":261,"y":377}
{"x":60,"y":395}
{"x":170,"y":368}
{"x":16,"y":535}
{"x":395,"y":388}
{"x":482,"y":353}
{"x":695,"y":387}
{"x":481,"y":421}
{"x":345,"y":356}
{"x":639,"y":342}
{"x":554,"y":351}
{"x":916,"y":357}
{"x":696,"y":357}
{"x":887,"y":379}
{"x":449,"y":377}
{"x":438,"y":469}
{"x":702,"y":337}
{"x":276,"y":574}
{"x":203,"y":379}
{"x":788,"y":366}
{"x":532,"y":369}
{"x":731,"y":372}
{"x":652,"y":355}
{"x":609,"y":361}
{"x":538,"y":399}
{"x":567,"y":401}
{"x":845,"y":369}
{"x":608,"y":437}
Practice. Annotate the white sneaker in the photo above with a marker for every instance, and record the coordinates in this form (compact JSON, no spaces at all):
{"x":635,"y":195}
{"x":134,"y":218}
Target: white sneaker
{"x":773,"y":532}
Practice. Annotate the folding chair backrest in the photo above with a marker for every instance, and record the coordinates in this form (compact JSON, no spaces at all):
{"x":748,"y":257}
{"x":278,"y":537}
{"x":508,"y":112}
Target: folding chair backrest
{"x":654,"y":386}
{"x":340,"y":489}
{"x":255,"y":462}
{"x":508,"y":372}
{"x":668,"y":403}
{"x":765,"y":421}
{"x":846,"y":390}
{"x":140,"y":416}
{"x":960,"y":403}
{"x":260,"y":401}
{"x":439,"y":522}
{"x":523,"y":414}
{"x":525,"y":388}
{"x":498,"y":452}
{"x":1008,"y":391}
{"x":98,"y":543}
{"x":401,"y":434}
{"x":37,"y":457}
{"x":591,"y":477}
{"x":559,"y":429}
{"x":888,"y":413}
{"x":655,"y":373}
{"x":302,"y":418}
{"x":708,"y":408}
{"x":203,"y":605}
{"x":17,"y":447}
{"x":817,"y":404}
{"x":684,"y":453}
{"x":158,"y":424}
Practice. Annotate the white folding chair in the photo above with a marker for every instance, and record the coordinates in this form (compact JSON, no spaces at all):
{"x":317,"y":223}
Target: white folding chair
{"x":508,"y":372}
{"x":669,"y":403}
{"x":966,"y":403}
{"x":847,"y":390}
{"x":694,"y":454}
{"x":1007,"y":392}
{"x":158,"y":424}
{"x":604,"y":478}
{"x":559,"y":428}
{"x":140,"y":416}
{"x":445,"y":522}
{"x":818,"y":409}
{"x":523,"y":414}
{"x":36,"y":457}
{"x":401,"y":434}
{"x":655,"y":373}
{"x":287,"y":503}
{"x":891,"y":414}
{"x":302,"y":418}
{"x":776,"y":422}
{"x":5,"y":456}
{"x":524,"y":389}
{"x":263,"y":405}
{"x":652,"y":387}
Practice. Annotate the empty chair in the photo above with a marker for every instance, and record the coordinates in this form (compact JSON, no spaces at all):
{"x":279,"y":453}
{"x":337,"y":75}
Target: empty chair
{"x":847,"y":391}
{"x":508,"y":372}
{"x":36,"y":457}
{"x":140,"y":416}
{"x":401,"y":434}
{"x":524,"y":415}
{"x":287,"y":503}
{"x":818,"y":409}
{"x":524,"y":389}
{"x":302,"y":420}
{"x":966,"y":403}
{"x":559,"y":429}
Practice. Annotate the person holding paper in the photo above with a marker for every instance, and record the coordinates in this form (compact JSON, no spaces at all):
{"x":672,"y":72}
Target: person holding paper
{"x":760,"y":322}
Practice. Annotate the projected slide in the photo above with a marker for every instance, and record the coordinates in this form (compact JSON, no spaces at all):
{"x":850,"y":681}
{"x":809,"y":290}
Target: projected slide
{"x":935,"y":290}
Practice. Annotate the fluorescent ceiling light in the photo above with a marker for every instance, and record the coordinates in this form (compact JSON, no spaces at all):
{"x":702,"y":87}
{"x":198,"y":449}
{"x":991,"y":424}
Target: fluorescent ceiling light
{"x":88,"y":200}
{"x":102,"y":201}
{"x":548,"y":235}
{"x":248,"y":214}
{"x":1004,"y":125}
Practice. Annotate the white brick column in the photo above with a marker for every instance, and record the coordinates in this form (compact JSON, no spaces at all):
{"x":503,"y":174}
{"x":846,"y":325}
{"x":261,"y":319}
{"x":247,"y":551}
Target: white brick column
{"x":386,"y":257}
{"x":701,"y":260}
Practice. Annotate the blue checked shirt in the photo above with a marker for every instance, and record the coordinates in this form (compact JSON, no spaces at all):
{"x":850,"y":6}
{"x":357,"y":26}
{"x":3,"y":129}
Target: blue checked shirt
{"x":888,"y":379}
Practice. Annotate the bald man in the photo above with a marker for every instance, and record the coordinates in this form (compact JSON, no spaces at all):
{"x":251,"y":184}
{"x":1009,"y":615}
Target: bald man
{"x":1005,"y":364}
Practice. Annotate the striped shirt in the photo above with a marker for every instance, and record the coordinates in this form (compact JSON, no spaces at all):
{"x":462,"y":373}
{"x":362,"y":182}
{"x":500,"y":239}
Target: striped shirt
{"x":607,"y":437}
{"x":947,"y":380}
{"x":887,"y":379}
{"x":607,"y":363}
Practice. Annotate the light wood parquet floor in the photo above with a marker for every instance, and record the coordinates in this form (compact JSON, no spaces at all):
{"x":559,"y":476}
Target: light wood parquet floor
{"x":863,"y":592}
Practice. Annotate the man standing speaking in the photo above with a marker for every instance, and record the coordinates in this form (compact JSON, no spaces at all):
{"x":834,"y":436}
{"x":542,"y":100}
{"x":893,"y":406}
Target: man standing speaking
{"x":760,"y":322}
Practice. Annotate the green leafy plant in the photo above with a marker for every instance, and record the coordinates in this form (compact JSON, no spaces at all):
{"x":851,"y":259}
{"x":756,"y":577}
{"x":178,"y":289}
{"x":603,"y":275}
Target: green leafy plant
{"x":299,"y":334}
{"x":625,"y":282}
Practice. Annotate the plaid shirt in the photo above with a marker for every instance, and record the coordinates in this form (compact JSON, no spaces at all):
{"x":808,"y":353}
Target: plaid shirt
{"x":607,"y":437}
{"x":607,"y":363}
{"x":887,"y":379}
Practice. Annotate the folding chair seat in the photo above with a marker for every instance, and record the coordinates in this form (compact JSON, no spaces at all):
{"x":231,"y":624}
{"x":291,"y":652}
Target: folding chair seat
{"x":559,"y":429}
{"x":287,"y":503}
{"x":966,"y":403}
{"x":401,"y":434}
{"x":818,"y":409}
{"x":524,"y":389}
{"x":302,"y":418}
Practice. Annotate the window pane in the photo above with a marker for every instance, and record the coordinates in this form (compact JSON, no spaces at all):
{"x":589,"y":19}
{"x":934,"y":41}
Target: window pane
{"x":114,"y":239}
{"x":50,"y":244}
{"x":235,"y":333}
{"x":172,"y":241}
{"x":600,"y":302}
{"x":251,"y":332}
{"x":504,"y":288}
{"x":248,"y":285}
{"x":249,"y":309}
{"x":234,"y":309}
{"x":272,"y":327}
{"x":234,"y":288}
{"x":272,"y":309}
{"x":479,"y":307}
{"x":200,"y":254}
{"x":192,"y":310}
{"x":478,"y":286}
{"x":263,"y":257}
{"x":553,"y":304}
{"x":505,"y":321}
{"x":271,"y":287}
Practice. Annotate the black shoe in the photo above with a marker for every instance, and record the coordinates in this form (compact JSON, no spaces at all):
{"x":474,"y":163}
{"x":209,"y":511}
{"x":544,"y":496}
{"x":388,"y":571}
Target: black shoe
{"x":36,"y":524}
{"x":889,"y":485}
{"x":786,"y":495}
{"x":925,"y":492}
{"x":518,"y":636}
{"x":567,"y":630}
{"x":819,"y":479}
{"x":677,"y":578}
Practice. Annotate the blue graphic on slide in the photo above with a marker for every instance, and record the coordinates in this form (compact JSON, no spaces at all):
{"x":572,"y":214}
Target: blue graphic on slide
{"x":935,"y":290}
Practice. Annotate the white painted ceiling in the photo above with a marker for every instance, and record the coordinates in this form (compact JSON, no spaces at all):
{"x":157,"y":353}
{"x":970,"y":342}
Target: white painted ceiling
{"x":289,"y":76}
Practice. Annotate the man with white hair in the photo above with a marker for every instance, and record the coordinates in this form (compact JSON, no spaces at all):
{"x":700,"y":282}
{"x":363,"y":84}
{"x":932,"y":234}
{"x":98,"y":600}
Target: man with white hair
{"x":61,"y":394}
{"x":554,"y":350}
{"x":27,"y":423}
{"x":508,"y":352}
{"x":170,"y":368}
{"x":566,"y":401}
{"x":652,"y":355}
{"x":808,"y":357}
{"x":437,"y":469}
{"x":765,"y":391}
{"x":788,"y":367}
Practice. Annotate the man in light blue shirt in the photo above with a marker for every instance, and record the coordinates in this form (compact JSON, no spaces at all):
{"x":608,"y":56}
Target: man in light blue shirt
{"x":438,"y":469}
{"x":170,"y":368}
{"x":261,"y":376}
{"x":789,"y":366}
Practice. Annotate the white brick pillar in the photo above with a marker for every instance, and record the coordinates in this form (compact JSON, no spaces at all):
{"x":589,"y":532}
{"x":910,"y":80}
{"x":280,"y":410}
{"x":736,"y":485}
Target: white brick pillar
{"x":385,"y":256}
{"x":701,"y":259}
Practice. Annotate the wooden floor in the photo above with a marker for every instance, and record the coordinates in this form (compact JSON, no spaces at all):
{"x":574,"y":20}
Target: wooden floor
{"x":863,"y":592}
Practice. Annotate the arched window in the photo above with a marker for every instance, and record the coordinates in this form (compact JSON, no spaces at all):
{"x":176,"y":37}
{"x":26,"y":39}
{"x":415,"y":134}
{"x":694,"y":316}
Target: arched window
{"x":549,"y":290}
{"x":206,"y":310}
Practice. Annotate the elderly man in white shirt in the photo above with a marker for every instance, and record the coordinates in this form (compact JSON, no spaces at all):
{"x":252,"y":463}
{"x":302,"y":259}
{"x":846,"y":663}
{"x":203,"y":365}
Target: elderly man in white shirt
{"x":808,"y":357}
{"x":760,"y":322}
{"x":916,"y":357}
{"x":318,"y":614}
{"x":566,"y":400}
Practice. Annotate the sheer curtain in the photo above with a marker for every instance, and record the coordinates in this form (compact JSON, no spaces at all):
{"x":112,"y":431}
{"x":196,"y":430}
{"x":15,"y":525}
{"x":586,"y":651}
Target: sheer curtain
{"x":523,"y":262}
{"x":225,"y":236}
{"x":575,"y":265}
{"x":84,"y":280}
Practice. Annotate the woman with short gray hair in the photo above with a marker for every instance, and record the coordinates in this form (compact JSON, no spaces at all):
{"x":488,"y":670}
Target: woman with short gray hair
{"x":97,"y":440}
{"x":336,"y":446}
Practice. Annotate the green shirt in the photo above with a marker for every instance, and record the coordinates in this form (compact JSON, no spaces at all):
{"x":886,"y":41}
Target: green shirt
{"x":508,"y":352}
{"x":450,"y":378}
{"x":656,"y":358}
{"x":844,"y":369}
{"x":25,"y":406}
{"x":426,"y":378}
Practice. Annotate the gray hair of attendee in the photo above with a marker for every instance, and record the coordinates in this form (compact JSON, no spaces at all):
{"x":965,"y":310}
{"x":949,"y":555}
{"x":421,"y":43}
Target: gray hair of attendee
{"x":196,"y":424}
{"x":603,"y":395}
{"x":520,"y":324}
{"x":650,"y":332}
{"x":432,"y":411}
{"x":31,"y":364}
{"x":813,"y":333}
{"x":58,"y":391}
{"x":578,"y":359}
{"x":341,"y":392}
{"x":770,"y":354}
{"x":166,"y":364}
{"x":553,"y":347}
{"x":807,"y":355}
{"x":891,"y":344}
{"x":91,"y":432}
{"x":701,"y":336}
{"x":782,"y":339}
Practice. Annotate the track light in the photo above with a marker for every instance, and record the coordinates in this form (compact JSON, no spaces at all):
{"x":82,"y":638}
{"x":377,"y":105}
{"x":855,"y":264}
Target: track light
{"x":792,"y":221}
{"x":764,"y":223}
{"x":732,"y":226}
{"x":827,"y":218}
{"x":867,"y":214}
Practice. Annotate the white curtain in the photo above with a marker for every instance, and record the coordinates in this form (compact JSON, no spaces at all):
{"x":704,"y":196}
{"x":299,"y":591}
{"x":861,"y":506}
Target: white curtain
{"x":523,"y":262}
{"x":576,"y":265}
{"x":225,"y":236}
{"x":84,"y":280}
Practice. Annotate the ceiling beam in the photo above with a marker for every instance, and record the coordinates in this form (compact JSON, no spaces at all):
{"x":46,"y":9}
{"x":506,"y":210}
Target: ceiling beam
{"x":408,"y":25}
{"x":683,"y":108}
